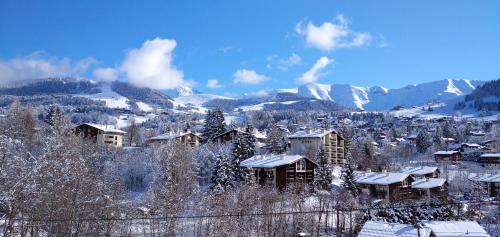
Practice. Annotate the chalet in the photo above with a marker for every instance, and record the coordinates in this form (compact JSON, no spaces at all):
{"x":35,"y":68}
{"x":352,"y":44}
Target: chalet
{"x":490,"y":181}
{"x":422,"y":171}
{"x":490,"y":160}
{"x":455,"y":228}
{"x":328,"y":140}
{"x":430,"y":188}
{"x":471,"y":147}
{"x":230,"y":135}
{"x":186,"y":138}
{"x":101,"y":134}
{"x":281,"y":170}
{"x":385,"y":229}
{"x":384,"y":185}
{"x":448,"y":156}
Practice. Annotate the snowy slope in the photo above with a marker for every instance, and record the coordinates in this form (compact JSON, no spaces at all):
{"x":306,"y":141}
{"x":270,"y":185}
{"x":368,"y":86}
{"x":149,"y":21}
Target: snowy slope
{"x":381,"y":98}
{"x":110,"y":97}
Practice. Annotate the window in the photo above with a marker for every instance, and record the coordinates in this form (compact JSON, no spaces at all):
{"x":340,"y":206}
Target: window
{"x":301,"y":165}
{"x":116,"y":138}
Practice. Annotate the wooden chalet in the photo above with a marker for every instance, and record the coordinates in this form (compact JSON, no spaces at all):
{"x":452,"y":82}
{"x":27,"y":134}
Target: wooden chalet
{"x":420,"y":172}
{"x":491,"y":182}
{"x":448,"y":156}
{"x":281,"y":170}
{"x":490,"y":160}
{"x":384,"y":185}
{"x":430,"y":188}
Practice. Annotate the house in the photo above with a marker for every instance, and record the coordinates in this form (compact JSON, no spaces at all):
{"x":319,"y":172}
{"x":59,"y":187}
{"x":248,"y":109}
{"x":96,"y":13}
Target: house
{"x":448,"y":156}
{"x":230,"y":135}
{"x":384,"y":185}
{"x":186,"y":138}
{"x":281,"y":170}
{"x":101,"y":134}
{"x":471,"y":147}
{"x":422,"y":171}
{"x":455,"y":228}
{"x":430,"y":188}
{"x":384,"y":229}
{"x":328,"y":140}
{"x":490,"y":181}
{"x":490,"y":160}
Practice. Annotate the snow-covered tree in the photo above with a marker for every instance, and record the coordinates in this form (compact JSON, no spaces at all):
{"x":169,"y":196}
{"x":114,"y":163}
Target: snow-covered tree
{"x":214,"y":124}
{"x":348,"y":175}
{"x":223,"y":173}
{"x":275,"y":140}
{"x":422,"y":142}
{"x":323,"y":173}
{"x":242,"y":150}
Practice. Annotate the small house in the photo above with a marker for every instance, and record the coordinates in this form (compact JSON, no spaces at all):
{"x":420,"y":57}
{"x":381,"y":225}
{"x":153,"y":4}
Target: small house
{"x":422,"y":171}
{"x":430,"y":188}
{"x":281,"y":170}
{"x":490,"y":181}
{"x":490,"y":160}
{"x":448,"y":156}
{"x":384,"y":185}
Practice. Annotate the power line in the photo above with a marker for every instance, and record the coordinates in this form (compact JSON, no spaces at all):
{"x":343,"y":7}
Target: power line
{"x":249,"y":214}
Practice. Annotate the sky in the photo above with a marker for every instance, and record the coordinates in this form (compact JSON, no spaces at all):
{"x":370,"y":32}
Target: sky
{"x":230,"y":47}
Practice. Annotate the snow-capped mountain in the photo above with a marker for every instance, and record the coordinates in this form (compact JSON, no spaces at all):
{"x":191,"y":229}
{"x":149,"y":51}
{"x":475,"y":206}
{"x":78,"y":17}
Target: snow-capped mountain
{"x":73,"y":91}
{"x":381,"y":98}
{"x":180,"y":91}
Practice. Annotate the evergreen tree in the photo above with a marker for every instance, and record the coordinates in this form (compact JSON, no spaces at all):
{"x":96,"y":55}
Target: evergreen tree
{"x":348,"y":175}
{"x":447,"y":130}
{"x":214,"y":124}
{"x":241,"y":151}
{"x":422,"y":142}
{"x":275,"y":140}
{"x":223,"y":173}
{"x":54,"y":114}
{"x":323,"y":173}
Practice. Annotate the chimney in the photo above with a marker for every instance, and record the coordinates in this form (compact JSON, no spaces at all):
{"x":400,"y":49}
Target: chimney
{"x":368,"y":170}
{"x":282,"y":156}
{"x":427,"y":179}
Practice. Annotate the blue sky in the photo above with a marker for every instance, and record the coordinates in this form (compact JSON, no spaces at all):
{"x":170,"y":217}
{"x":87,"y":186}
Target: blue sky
{"x":246,"y":46}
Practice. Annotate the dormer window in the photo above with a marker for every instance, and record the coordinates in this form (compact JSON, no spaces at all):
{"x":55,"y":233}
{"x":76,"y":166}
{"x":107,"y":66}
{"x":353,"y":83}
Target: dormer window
{"x":301,"y":165}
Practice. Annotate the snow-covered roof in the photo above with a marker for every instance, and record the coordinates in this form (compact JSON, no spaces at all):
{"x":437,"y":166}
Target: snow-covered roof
{"x":270,"y":161}
{"x":380,"y":178}
{"x":169,"y":136}
{"x":445,"y":152}
{"x":105,"y":128}
{"x":490,"y":155}
{"x":311,"y":133}
{"x":428,"y":183}
{"x":382,"y":229}
{"x":456,"y":228}
{"x":471,"y":145}
{"x":489,"y":178}
{"x":420,"y":170}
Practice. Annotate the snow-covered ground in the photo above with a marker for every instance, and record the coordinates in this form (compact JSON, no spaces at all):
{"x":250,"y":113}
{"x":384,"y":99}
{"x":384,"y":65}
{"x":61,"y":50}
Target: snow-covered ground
{"x":261,"y":105}
{"x":112,"y":99}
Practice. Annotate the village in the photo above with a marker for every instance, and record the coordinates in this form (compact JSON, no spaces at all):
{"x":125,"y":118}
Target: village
{"x":378,"y":168}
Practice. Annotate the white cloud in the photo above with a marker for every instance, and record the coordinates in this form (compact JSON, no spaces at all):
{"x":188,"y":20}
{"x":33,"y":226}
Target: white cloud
{"x":106,"y":74}
{"x":39,"y":65}
{"x":245,"y":76}
{"x":314,"y":72}
{"x":332,"y":35}
{"x":151,"y":65}
{"x":214,"y":84}
{"x":283,"y":63}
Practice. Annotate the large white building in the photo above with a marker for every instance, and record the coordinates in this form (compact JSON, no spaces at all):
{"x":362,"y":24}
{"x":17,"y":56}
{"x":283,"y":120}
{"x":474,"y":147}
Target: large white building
{"x":332,"y":143}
